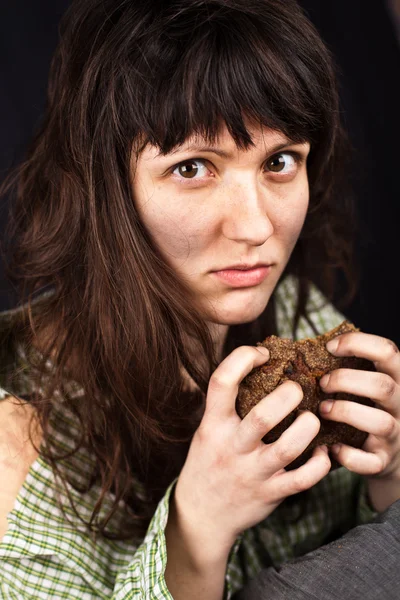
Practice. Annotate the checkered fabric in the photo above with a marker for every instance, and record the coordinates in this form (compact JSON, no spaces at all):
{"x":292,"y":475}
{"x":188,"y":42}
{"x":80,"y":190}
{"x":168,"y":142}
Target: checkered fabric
{"x":47,"y":553}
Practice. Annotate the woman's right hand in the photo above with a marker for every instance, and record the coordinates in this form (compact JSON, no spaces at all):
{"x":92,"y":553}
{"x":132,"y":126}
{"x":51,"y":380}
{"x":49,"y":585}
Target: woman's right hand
{"x":231,"y":480}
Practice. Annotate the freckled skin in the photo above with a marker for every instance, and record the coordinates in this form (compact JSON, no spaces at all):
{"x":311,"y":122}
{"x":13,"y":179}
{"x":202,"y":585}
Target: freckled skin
{"x":233,"y":211}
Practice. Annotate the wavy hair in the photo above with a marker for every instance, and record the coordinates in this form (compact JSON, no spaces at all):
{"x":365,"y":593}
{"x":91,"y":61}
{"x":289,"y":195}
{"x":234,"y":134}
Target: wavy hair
{"x":126,"y":74}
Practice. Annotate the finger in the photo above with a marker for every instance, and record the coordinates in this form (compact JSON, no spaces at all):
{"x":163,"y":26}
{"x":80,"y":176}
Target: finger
{"x":382,"y":352}
{"x":372,"y":420}
{"x":359,"y":461}
{"x":267,"y":414}
{"x":377,"y":386}
{"x":291,"y":443}
{"x":301,"y":479}
{"x":224,"y":382}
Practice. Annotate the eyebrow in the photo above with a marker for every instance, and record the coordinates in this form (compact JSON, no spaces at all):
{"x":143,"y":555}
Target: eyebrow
{"x":223,"y":153}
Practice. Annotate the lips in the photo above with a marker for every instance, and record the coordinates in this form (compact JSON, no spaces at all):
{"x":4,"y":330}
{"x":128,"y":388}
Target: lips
{"x":243,"y":277}
{"x":243,"y":267}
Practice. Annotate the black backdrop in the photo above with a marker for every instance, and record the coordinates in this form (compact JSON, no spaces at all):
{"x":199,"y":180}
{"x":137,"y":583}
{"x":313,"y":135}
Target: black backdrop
{"x":362,"y":39}
{"x":28,"y":36}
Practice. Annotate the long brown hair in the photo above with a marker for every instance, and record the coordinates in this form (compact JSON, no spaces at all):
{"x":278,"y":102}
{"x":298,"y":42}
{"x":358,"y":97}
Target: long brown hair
{"x":126,"y":74}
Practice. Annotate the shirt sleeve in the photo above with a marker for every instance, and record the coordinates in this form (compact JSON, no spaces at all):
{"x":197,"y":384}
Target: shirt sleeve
{"x":144,"y":577}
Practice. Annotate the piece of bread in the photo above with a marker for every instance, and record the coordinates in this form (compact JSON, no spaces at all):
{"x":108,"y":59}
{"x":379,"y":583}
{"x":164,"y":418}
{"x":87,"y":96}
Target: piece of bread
{"x":304,"y":361}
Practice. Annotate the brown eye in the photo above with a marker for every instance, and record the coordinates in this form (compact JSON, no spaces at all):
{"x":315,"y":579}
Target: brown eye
{"x":194,"y":168}
{"x":188,"y":170}
{"x":276,"y":163}
{"x":281,"y":163}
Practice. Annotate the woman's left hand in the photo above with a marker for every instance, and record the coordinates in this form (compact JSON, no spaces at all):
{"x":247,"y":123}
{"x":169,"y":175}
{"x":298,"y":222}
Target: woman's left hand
{"x":379,"y":458}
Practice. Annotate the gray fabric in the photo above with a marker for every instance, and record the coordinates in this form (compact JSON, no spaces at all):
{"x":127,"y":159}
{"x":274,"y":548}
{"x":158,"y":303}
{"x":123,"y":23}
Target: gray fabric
{"x":362,"y":565}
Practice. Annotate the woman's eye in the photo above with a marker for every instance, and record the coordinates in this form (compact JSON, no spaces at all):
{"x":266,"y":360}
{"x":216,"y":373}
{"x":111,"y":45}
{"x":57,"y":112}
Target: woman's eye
{"x":284,"y":163}
{"x":195,"y":169}
{"x":191,"y":169}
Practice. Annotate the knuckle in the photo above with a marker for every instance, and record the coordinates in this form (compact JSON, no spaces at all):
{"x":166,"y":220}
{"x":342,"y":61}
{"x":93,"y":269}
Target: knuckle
{"x":378,"y":466}
{"x":389,"y":425}
{"x":205,"y":431}
{"x":258,"y":421}
{"x":326,"y":463}
{"x":218,"y":382}
{"x":384,"y":463}
{"x":302,"y":481}
{"x":387,"y":386}
{"x":376,"y":470}
{"x":348,"y":461}
{"x":389,"y":349}
{"x":285,"y":453}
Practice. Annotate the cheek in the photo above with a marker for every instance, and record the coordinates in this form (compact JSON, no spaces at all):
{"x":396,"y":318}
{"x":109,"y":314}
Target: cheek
{"x":178,"y":229}
{"x":290,"y":219}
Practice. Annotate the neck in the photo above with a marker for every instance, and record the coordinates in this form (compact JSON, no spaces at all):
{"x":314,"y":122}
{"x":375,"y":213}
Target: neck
{"x":218,"y":334}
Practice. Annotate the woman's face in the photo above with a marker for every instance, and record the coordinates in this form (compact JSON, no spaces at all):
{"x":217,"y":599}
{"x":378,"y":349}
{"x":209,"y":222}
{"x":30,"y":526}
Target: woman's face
{"x":211,"y":210}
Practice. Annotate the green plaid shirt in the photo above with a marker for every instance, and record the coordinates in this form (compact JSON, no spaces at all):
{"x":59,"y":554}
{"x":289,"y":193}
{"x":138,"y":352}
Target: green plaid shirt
{"x":49,"y":554}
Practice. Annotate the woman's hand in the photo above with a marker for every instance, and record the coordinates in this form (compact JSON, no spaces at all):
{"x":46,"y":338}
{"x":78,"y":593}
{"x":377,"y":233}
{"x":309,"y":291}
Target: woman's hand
{"x":232,"y":480}
{"x":379,"y":458}
{"x":16,"y":453}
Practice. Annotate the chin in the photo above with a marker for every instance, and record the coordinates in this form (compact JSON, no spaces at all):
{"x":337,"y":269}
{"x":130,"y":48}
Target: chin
{"x":239,"y":313}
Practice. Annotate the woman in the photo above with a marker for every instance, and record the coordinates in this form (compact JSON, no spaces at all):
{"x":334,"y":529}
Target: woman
{"x":183,"y":191}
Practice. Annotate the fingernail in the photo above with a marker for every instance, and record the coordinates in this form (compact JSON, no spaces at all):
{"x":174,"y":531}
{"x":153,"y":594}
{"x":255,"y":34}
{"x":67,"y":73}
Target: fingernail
{"x":324,"y":380}
{"x":263,"y":350}
{"x":336,"y":448}
{"x":326,"y":406}
{"x":332,"y":345}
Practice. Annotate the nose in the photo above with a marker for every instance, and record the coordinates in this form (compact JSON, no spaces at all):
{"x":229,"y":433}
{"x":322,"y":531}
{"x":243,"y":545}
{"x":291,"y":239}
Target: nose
{"x":246,"y":217}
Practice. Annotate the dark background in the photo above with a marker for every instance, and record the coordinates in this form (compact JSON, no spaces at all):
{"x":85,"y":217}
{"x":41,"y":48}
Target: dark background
{"x":362,"y":37}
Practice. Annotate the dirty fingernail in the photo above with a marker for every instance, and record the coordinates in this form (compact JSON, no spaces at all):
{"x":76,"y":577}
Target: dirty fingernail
{"x":324,"y":380}
{"x":326,"y":406}
{"x":263,"y":350}
{"x":332,"y":345}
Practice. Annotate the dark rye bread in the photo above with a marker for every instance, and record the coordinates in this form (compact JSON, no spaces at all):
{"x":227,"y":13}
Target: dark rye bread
{"x":304,"y":361}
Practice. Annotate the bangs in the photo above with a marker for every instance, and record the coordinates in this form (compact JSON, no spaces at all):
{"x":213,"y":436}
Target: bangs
{"x":209,"y":67}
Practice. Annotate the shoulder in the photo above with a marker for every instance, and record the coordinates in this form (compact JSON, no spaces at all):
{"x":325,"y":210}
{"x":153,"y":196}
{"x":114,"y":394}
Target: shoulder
{"x":320,"y":311}
{"x":17,"y":420}
{"x":20,"y":435}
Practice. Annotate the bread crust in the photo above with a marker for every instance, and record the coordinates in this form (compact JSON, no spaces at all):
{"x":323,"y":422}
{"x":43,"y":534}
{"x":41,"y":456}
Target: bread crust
{"x":304,"y":361}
